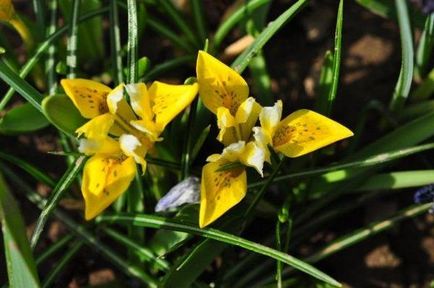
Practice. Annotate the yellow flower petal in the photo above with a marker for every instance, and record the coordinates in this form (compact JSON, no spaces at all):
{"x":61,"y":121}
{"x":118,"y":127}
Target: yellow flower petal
{"x":169,"y":100}
{"x":132,"y":147}
{"x":219,"y":85}
{"x":246,"y":117}
{"x":88,"y":96}
{"x":118,"y":105}
{"x":97,"y":127}
{"x":104,"y":180}
{"x":148,"y":127}
{"x":262,"y":140}
{"x":226,"y":123}
{"x":220,"y":191}
{"x":140,"y":100}
{"x":305,"y":131}
{"x":102,"y":146}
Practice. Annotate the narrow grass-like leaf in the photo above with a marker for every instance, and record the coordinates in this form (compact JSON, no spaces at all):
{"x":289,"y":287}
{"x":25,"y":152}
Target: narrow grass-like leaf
{"x":19,"y":259}
{"x":83,"y":233}
{"x":115,"y":42}
{"x":342,"y":169}
{"x":364,"y":233}
{"x":54,"y":248}
{"x":425,"y":47}
{"x":178,"y":20}
{"x":164,"y":223}
{"x":199,"y":19}
{"x":167,"y":66}
{"x":188,"y":144}
{"x":72,"y":44}
{"x":62,"y":263}
{"x":21,"y":86}
{"x":234,"y":19}
{"x":140,"y":251}
{"x":50,"y":62}
{"x":133,"y":42}
{"x":426,"y":89}
{"x":243,"y":60}
{"x":199,"y":142}
{"x":61,"y":187}
{"x":35,"y":172}
{"x":336,"y":59}
{"x":398,"y":180}
{"x":402,"y":88}
{"x":325,"y":83}
{"x":169,"y":34}
{"x":416,"y":110}
{"x":22,"y":119}
{"x":262,"y":80}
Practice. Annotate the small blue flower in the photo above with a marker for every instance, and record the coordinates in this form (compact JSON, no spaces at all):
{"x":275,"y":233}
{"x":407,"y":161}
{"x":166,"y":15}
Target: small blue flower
{"x":185,"y":192}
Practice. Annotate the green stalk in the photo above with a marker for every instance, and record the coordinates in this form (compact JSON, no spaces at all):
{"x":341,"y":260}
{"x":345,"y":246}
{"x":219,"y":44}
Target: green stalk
{"x":71,"y":47}
{"x":115,"y":41}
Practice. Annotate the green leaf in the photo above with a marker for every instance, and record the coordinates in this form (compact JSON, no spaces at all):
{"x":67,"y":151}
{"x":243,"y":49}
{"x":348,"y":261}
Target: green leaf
{"x":398,"y":180}
{"x":402,"y":88}
{"x":325,"y":83}
{"x":165,"y":223}
{"x":22,"y":119}
{"x":60,"y":110}
{"x":21,"y":86}
{"x":426,"y":89}
{"x":62,"y":185}
{"x":19,"y":259}
{"x":243,"y":60}
{"x":425,"y":47}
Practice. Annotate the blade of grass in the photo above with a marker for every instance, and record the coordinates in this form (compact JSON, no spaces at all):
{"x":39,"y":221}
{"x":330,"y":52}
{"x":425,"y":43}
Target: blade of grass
{"x":35,"y":172}
{"x":364,"y":233}
{"x":234,"y":19}
{"x":150,"y":221}
{"x":61,"y":187}
{"x":39,"y":52}
{"x":336,"y":60}
{"x":425,"y":47}
{"x":178,"y":20}
{"x":243,"y":60}
{"x":62,"y":263}
{"x":38,"y":9}
{"x":425,"y":90}
{"x":199,"y":19}
{"x":50,"y":62}
{"x":20,"y":265}
{"x":186,"y":154}
{"x":21,"y":86}
{"x":133,"y":41}
{"x":140,"y":251}
{"x":340,"y":168}
{"x":402,"y":88}
{"x":167,"y":33}
{"x":115,"y":42}
{"x":398,"y":180}
{"x":167,"y":66}
{"x":72,"y":43}
{"x":82,"y":232}
{"x":54,"y":248}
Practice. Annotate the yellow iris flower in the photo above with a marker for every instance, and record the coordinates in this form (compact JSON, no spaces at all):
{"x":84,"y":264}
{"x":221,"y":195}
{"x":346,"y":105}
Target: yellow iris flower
{"x":119,"y":135}
{"x":225,"y":93}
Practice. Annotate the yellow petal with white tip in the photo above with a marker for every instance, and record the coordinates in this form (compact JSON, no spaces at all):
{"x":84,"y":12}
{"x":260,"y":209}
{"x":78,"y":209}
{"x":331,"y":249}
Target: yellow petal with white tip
{"x":253,"y":156}
{"x":220,"y":191}
{"x":105,"y":178}
{"x":219,"y":85}
{"x":97,"y":127}
{"x":118,"y":105}
{"x":140,"y":100}
{"x":132,"y":147}
{"x":169,"y":100}
{"x":270,"y":117}
{"x":88,"y":96}
{"x":226,"y":123}
{"x":102,"y":146}
{"x":305,"y":131}
{"x":246,"y":117}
